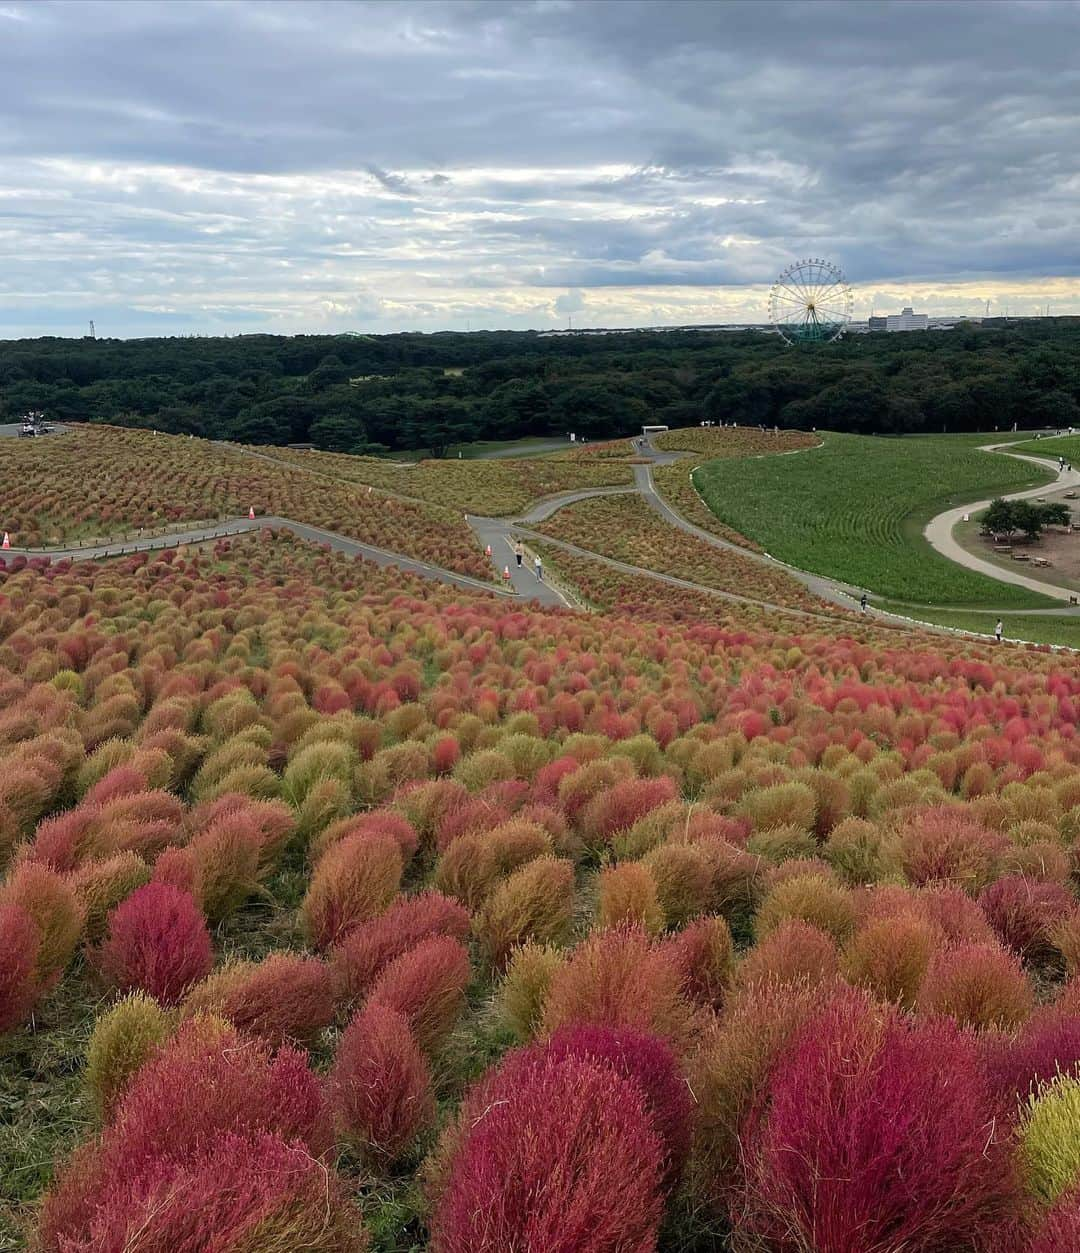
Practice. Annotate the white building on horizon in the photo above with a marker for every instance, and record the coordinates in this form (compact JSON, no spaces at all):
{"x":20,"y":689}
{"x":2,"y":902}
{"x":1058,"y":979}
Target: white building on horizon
{"x":907,"y":321}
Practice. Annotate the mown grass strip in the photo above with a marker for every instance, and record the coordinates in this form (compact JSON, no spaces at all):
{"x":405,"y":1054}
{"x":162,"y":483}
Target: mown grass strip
{"x":855,"y":508}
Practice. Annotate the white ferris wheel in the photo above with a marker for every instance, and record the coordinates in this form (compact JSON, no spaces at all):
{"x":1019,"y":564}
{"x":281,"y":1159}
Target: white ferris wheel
{"x":810,"y":302}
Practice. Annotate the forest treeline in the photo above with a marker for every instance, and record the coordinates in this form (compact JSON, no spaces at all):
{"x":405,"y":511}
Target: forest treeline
{"x":358,"y":393}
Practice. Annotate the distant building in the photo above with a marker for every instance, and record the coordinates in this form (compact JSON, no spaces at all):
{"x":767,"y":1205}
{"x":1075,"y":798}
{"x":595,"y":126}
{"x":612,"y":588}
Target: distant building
{"x":907,"y":321}
{"x":877,"y":323}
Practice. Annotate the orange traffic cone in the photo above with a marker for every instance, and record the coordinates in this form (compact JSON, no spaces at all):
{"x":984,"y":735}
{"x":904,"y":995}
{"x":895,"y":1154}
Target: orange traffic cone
{"x":487,"y":551}
{"x":506,"y":574}
{"x":251,"y":513}
{"x":7,"y":540}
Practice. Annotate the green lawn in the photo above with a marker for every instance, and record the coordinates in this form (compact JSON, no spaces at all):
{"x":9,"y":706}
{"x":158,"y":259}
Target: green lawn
{"x":1052,"y":447}
{"x":855,"y":509}
{"x":1033,"y":628}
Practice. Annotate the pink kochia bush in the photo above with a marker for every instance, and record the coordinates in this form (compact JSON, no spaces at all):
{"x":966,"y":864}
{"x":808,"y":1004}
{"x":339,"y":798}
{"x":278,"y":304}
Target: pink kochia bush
{"x":1047,"y":1045}
{"x":380,"y":1087}
{"x":157,"y":942}
{"x":649,"y":1062}
{"x":19,"y":988}
{"x":427,"y":986}
{"x":623,"y":804}
{"x":555,"y":1155}
{"x":206,"y":1094}
{"x":1059,"y":1231}
{"x":1024,"y":913}
{"x":877,"y":1133}
{"x":371,"y":946}
{"x":285,"y":997}
{"x":240,"y":1192}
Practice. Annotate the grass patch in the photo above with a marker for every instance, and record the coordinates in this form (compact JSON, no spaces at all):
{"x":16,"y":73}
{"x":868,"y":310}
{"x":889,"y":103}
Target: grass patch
{"x":855,"y":508}
{"x":1030,"y":628}
{"x":1052,"y":447}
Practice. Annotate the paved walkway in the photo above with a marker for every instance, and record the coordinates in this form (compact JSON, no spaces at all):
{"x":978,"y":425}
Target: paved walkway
{"x":239,"y":526}
{"x":499,"y":533}
{"x":831,"y":590}
{"x":496,"y":533}
{"x":939,"y":530}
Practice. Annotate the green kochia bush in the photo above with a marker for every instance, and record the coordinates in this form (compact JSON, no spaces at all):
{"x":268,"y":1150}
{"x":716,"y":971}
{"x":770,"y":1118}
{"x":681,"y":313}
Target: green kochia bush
{"x":122,"y":1040}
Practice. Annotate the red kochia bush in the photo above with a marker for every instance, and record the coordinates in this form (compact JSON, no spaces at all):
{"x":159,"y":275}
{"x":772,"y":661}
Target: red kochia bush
{"x":649,"y":1062}
{"x":1060,"y":1229}
{"x":157,"y":942}
{"x":876,"y":1133}
{"x":623,"y":804}
{"x":556,"y":1154}
{"x":1024,"y":913}
{"x":19,"y":942}
{"x":370,"y":947}
{"x":378,"y":822}
{"x":380,"y":1087}
{"x":284,"y":997}
{"x":1046,"y":1045}
{"x":426,"y":985}
{"x":945,"y":843}
{"x":208,"y":1081}
{"x":702,"y":953}
{"x":353,"y":881}
{"x":241,"y":1192}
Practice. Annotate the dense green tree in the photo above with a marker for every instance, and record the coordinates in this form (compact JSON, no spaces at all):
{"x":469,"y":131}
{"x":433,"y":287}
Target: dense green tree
{"x":349,"y":391}
{"x":999,"y":518}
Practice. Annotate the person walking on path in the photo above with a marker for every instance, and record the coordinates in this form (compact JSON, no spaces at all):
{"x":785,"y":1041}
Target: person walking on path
{"x":538,"y":566}
{"x":999,"y":630}
{"x":863,"y":602}
{"x":519,"y":552}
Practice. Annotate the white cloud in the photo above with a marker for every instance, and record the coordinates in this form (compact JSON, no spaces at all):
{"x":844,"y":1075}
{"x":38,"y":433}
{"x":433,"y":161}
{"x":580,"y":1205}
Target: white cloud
{"x":380,"y":165}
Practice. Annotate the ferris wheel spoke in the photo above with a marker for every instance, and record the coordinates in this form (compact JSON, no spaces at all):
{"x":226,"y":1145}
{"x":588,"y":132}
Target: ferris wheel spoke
{"x":802,"y":286}
{"x":797,"y":296}
{"x":791,"y":306}
{"x":796,"y":281}
{"x":791,"y":292}
{"x":839,"y":310}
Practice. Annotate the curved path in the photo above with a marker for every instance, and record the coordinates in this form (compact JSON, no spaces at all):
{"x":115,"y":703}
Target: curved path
{"x":831,"y":590}
{"x":939,"y":530}
{"x":501,"y":533}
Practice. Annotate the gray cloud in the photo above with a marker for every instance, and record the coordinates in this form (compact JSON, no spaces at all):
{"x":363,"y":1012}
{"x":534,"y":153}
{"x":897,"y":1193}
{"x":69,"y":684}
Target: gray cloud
{"x":388,"y":164}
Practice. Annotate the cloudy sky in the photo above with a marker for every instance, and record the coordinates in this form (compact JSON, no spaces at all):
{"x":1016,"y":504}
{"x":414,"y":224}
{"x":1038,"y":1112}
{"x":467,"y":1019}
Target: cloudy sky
{"x":235,"y":165}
